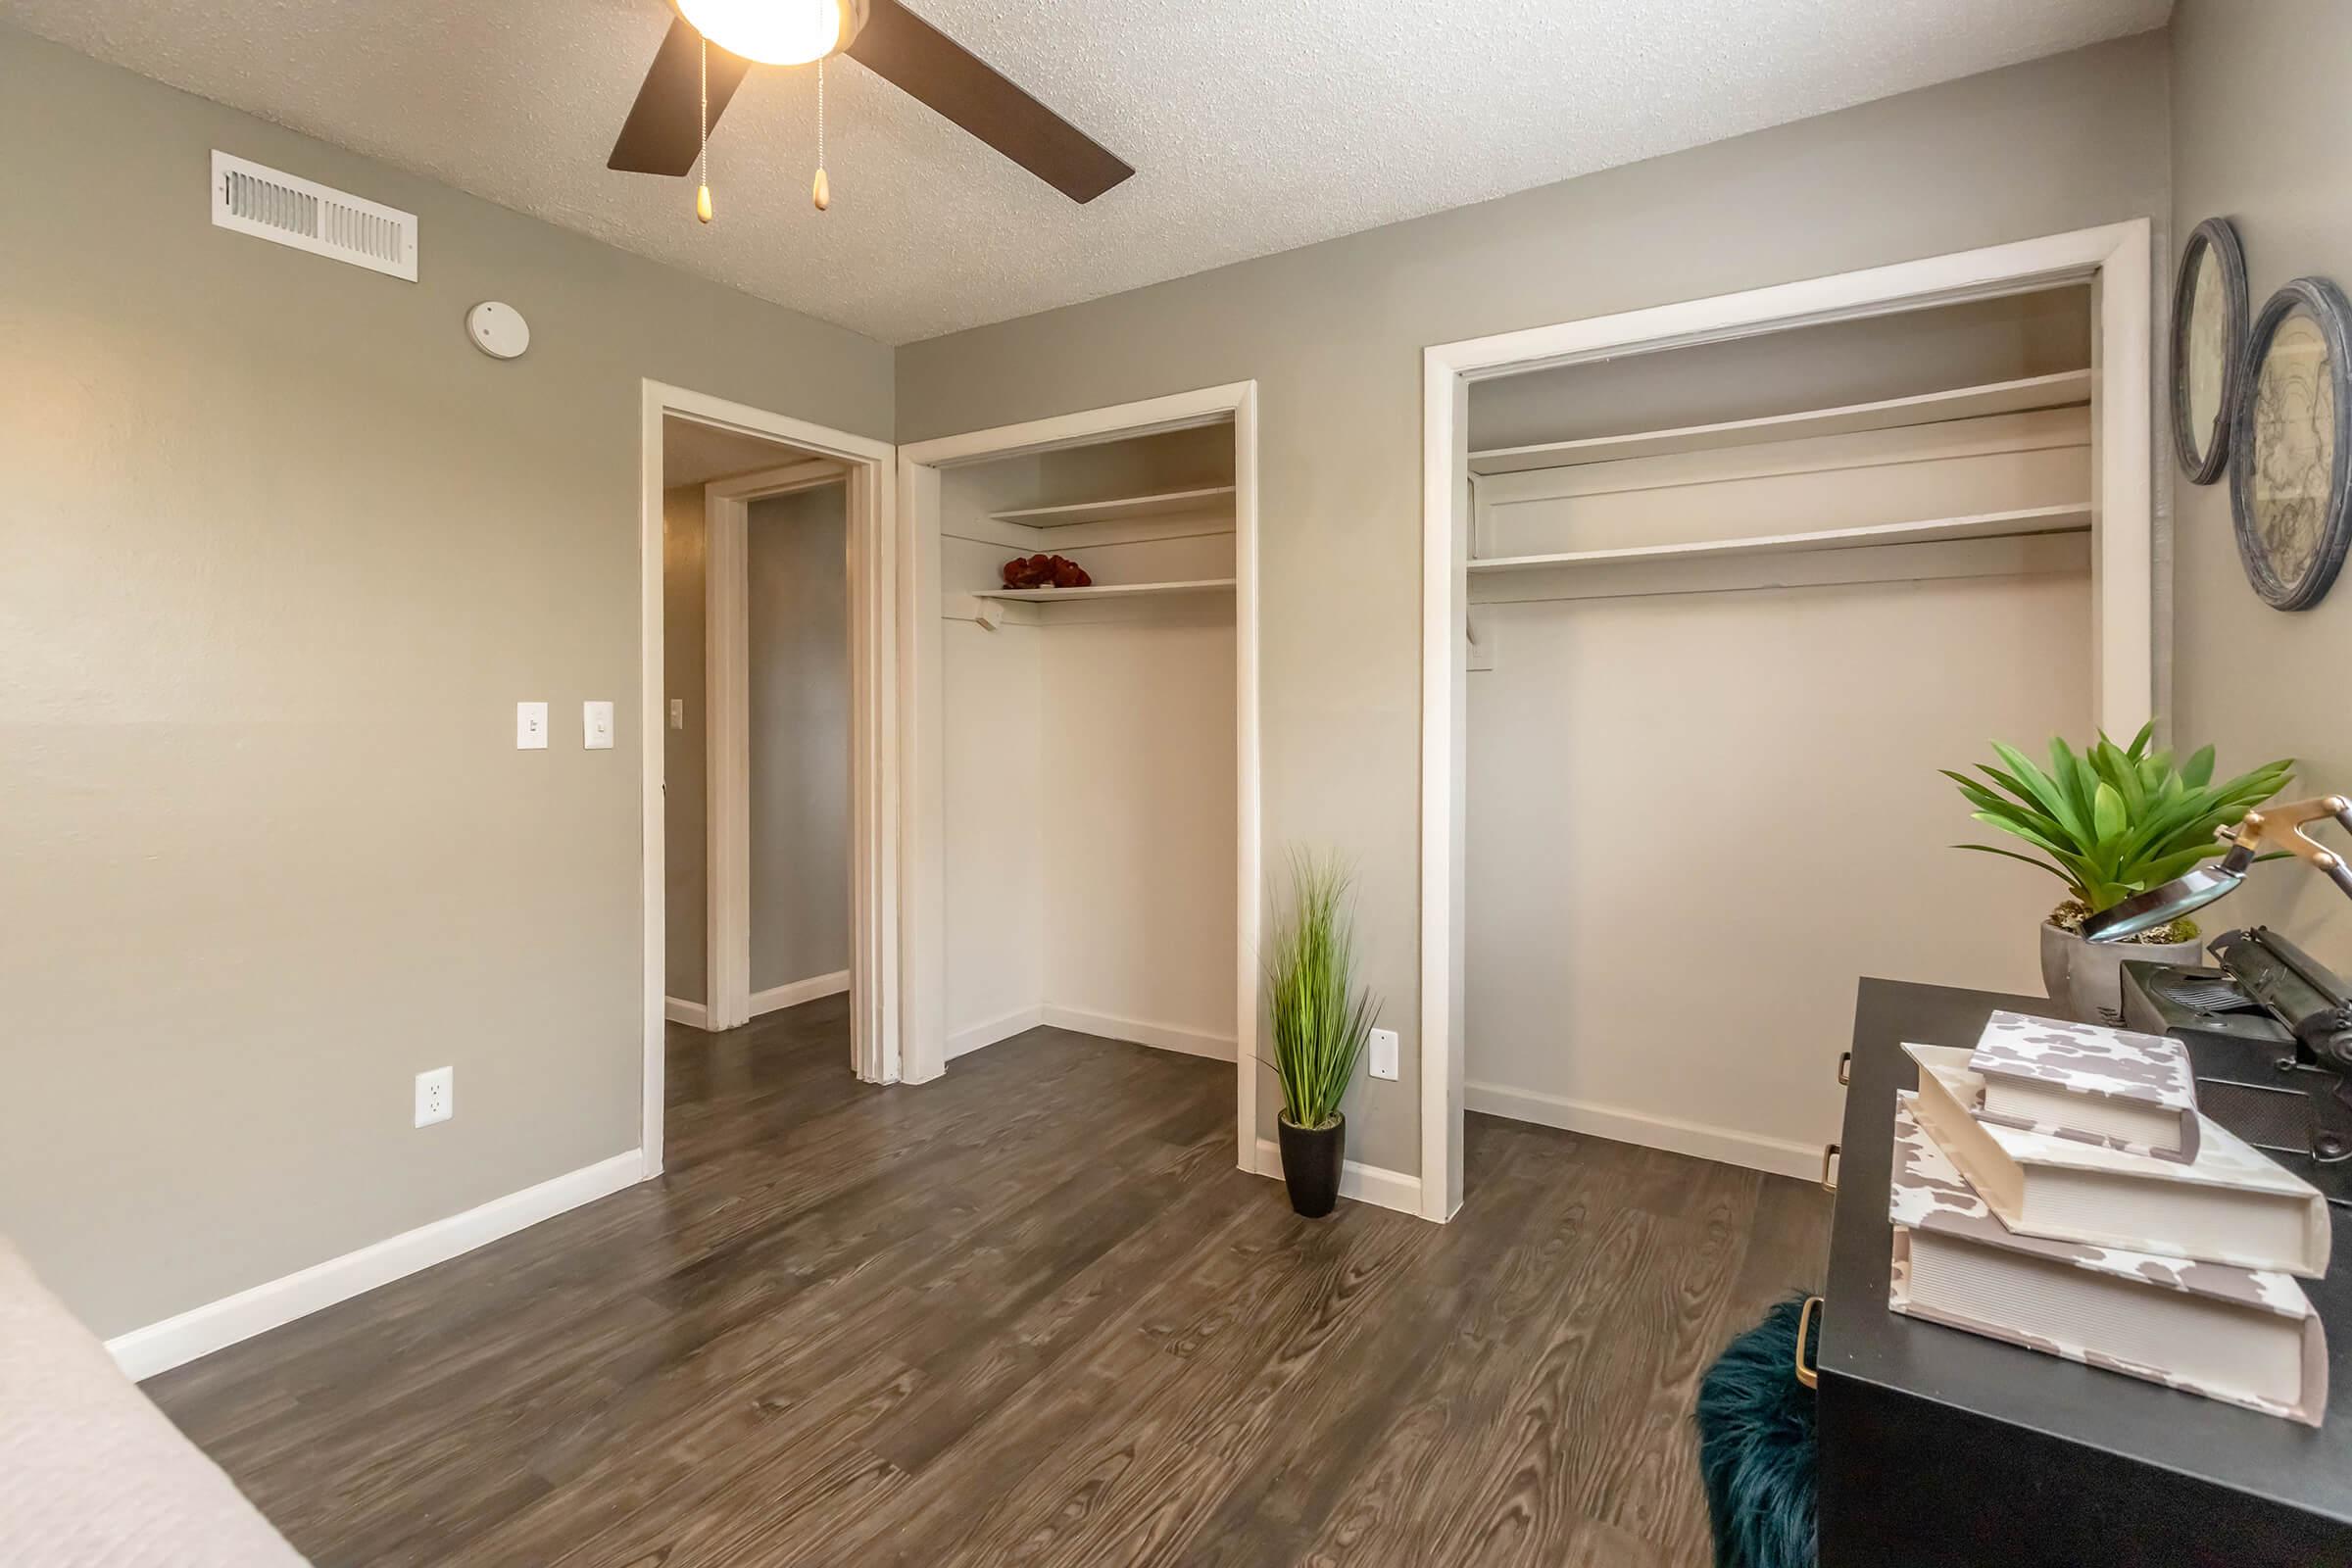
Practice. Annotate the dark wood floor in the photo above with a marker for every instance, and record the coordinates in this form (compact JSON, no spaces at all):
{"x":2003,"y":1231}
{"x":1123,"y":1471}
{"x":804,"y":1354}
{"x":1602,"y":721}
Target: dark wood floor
{"x":1030,"y":1315}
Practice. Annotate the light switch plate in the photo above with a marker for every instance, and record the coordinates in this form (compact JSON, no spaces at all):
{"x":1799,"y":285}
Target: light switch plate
{"x":530,"y":727}
{"x":677,"y":712}
{"x":436,"y":1096}
{"x":596,"y":726}
{"x":1382,"y":1051}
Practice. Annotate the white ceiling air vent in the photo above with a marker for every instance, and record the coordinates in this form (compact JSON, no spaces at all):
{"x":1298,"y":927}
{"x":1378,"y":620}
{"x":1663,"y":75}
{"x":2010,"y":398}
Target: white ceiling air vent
{"x":263,"y":201}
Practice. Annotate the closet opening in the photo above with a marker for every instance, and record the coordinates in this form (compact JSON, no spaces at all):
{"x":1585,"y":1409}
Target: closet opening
{"x":1083,"y":803}
{"x":1724,"y":586}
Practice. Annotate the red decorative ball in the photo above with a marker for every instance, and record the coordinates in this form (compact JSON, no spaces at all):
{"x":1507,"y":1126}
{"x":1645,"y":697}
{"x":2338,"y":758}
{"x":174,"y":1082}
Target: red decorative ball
{"x":1044,"y":571}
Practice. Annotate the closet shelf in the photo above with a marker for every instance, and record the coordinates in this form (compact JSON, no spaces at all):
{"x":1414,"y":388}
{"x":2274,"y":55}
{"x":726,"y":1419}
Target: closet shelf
{"x":2063,"y":390}
{"x":1102,"y":591}
{"x":1985,"y":526}
{"x":1162,"y":504}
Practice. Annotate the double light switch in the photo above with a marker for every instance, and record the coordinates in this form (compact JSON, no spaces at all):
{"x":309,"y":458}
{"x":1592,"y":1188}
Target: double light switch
{"x":530,"y":727}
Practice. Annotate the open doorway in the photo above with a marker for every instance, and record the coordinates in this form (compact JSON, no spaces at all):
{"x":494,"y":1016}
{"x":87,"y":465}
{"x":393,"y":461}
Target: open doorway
{"x":755,"y":651}
{"x":1678,"y":606}
{"x":1778,"y":549}
{"x":769,"y":846}
{"x":1083,"y":819}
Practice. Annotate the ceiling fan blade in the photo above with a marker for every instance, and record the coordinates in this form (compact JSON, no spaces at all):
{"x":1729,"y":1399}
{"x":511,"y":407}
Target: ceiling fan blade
{"x":663,"y":132}
{"x":932,"y":68}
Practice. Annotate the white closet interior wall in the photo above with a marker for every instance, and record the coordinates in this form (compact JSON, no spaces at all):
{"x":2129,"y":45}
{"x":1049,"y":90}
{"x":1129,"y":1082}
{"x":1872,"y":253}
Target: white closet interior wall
{"x":1088,"y":815}
{"x":1702,"y":794}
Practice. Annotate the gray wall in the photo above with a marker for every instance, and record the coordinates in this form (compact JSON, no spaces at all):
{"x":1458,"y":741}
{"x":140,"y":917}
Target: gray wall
{"x":281,"y":554}
{"x":797,"y":548}
{"x":2261,"y":135}
{"x":686,"y":749}
{"x":1333,"y":335}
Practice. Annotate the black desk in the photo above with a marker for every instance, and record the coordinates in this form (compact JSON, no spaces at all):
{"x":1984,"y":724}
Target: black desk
{"x":1942,"y":1450}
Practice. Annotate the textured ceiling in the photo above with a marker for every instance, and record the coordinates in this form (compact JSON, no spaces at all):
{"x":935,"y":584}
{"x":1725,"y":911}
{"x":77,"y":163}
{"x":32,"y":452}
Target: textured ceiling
{"x":1255,"y":126}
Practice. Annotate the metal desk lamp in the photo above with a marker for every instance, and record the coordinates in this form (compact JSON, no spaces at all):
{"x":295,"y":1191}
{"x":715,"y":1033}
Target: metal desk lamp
{"x":2276,"y":827}
{"x":2270,"y":1033}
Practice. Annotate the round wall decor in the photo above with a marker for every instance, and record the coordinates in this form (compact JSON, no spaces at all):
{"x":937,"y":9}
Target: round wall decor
{"x":2290,"y":445}
{"x":2209,"y":347}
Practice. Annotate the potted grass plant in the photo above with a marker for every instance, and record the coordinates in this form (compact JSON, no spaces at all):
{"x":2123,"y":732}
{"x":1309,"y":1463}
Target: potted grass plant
{"x":2109,"y":822}
{"x":1321,"y":1022}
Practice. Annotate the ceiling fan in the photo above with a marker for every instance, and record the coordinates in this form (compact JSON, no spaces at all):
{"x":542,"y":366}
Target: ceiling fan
{"x":687,"y":86}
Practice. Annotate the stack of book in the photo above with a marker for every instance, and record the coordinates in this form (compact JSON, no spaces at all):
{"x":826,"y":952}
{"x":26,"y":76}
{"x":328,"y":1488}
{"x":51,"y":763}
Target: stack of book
{"x":2057,"y":1188}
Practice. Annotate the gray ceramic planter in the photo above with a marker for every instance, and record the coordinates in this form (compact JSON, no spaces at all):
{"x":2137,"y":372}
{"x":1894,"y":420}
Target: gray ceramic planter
{"x":2086,"y":978}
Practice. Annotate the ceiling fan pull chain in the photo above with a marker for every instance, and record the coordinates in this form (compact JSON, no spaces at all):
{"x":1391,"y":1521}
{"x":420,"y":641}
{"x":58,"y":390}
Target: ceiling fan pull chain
{"x":822,"y":191}
{"x":702,"y":195}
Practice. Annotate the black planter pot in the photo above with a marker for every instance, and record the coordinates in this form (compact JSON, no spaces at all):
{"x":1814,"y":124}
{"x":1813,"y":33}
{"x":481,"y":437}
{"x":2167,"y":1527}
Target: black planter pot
{"x":1310,"y":1163}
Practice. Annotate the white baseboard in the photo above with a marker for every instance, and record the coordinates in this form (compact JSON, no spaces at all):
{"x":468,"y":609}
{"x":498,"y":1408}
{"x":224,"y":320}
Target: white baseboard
{"x":799,"y":991}
{"x":1165,"y":1036}
{"x":1727,"y":1144}
{"x":1366,"y":1184}
{"x":160,"y":1346}
{"x":693,"y":1015}
{"x":963,"y":1042}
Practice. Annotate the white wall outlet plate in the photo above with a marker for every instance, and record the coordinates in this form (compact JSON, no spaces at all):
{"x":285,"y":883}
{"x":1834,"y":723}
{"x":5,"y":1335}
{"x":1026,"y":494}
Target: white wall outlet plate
{"x":1381,"y":1048}
{"x":530,"y":727}
{"x":596,"y":726}
{"x":436,"y":1096}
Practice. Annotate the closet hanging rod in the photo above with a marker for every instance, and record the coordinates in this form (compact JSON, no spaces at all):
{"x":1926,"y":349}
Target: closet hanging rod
{"x":2067,"y":519}
{"x":1999,"y":556}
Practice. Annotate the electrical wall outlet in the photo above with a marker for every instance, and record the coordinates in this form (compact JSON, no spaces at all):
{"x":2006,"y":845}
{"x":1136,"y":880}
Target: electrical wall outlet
{"x":596,"y":726}
{"x":1381,"y":1048}
{"x":530,"y":727}
{"x":436,"y":1096}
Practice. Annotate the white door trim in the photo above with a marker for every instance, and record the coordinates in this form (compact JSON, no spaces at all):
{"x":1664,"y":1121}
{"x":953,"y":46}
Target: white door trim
{"x":874,"y":724}
{"x":727,"y":722}
{"x":925,"y":1045}
{"x":2116,"y":260}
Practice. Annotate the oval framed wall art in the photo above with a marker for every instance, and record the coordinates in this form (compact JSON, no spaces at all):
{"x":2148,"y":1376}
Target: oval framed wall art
{"x":2209,"y":347}
{"x":2290,"y":445}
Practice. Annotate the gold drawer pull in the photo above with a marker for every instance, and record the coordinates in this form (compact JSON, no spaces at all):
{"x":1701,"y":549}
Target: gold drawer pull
{"x":1809,"y":1376}
{"x":1845,"y":1067}
{"x":1829,"y":1157}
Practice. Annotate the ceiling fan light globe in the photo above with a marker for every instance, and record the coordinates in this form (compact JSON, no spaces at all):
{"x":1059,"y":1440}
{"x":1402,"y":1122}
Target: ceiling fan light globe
{"x":772,"y":33}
